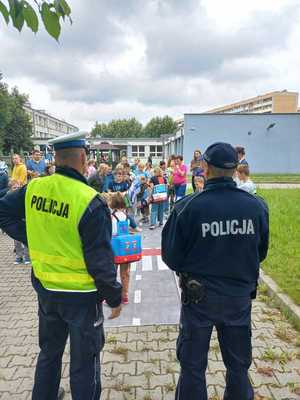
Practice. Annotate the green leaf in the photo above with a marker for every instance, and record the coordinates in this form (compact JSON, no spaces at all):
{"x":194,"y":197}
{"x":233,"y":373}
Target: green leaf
{"x":65,"y":6}
{"x":59,"y":10}
{"x":4,"y":12}
{"x":30,"y":17}
{"x":16,"y":13}
{"x":51,"y":21}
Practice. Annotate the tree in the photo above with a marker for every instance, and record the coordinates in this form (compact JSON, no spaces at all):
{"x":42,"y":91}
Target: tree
{"x":99,"y":130}
{"x":5,"y":112}
{"x":118,"y":128}
{"x":17,"y":132}
{"x":160,"y":126}
{"x":51,"y":13}
{"x":15,"y":126}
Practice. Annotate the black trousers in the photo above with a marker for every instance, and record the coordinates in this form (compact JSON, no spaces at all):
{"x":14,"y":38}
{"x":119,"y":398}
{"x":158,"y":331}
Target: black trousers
{"x":232,"y":318}
{"x":84,"y":324}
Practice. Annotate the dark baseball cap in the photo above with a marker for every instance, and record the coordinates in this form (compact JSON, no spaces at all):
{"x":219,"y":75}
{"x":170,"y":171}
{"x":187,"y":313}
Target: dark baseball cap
{"x":221,"y":155}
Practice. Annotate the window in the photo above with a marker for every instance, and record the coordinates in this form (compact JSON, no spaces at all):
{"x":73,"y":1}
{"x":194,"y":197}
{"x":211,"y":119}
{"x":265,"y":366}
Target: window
{"x":138,"y":151}
{"x":156,"y":151}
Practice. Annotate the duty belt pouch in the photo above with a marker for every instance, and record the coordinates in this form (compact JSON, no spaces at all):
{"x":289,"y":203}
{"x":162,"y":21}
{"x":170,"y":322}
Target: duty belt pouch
{"x":193,"y":291}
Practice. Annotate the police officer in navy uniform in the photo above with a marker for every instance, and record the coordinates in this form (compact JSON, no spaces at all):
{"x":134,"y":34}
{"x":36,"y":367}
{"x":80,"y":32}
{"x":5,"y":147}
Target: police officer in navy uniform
{"x":215,"y":241}
{"x":67,"y":227}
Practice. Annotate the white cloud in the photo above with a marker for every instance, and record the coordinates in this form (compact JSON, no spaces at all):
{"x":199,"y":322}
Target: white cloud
{"x":142,"y":59}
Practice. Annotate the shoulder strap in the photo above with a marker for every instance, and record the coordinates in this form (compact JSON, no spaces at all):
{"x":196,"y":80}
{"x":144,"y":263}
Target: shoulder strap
{"x":114,"y":215}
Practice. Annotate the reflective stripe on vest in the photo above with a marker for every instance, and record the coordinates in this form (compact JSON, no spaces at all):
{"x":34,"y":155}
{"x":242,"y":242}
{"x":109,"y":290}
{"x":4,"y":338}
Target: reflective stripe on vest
{"x":54,"y":206}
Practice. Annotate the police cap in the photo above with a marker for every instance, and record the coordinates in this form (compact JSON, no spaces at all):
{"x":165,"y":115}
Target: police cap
{"x":72,"y":140}
{"x":221,"y":155}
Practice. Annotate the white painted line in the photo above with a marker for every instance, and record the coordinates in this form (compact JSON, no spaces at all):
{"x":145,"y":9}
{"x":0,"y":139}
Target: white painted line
{"x":133,"y":267}
{"x":160,"y":264}
{"x":136,"y":321}
{"x":137,"y":296}
{"x":177,"y":285}
{"x":138,"y":277}
{"x":147,"y":263}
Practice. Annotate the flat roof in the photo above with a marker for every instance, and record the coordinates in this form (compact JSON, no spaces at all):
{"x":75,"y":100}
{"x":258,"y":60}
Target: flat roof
{"x":248,"y":114}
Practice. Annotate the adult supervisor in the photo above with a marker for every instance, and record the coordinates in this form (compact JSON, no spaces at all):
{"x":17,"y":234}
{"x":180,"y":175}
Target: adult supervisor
{"x":215,"y":241}
{"x":68,"y":230}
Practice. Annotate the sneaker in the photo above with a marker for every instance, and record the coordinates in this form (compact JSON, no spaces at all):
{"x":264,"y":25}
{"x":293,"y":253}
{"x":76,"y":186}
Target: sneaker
{"x":26,"y":261}
{"x":125,"y":300}
{"x":18,"y":261}
{"x":161,"y":224}
{"x":152,"y":227}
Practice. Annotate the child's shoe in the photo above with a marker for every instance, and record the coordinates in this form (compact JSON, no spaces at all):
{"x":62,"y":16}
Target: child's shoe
{"x":18,"y":261}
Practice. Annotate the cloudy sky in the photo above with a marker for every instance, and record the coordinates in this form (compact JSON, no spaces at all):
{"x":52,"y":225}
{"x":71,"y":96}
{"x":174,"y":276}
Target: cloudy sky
{"x":143,"y":58}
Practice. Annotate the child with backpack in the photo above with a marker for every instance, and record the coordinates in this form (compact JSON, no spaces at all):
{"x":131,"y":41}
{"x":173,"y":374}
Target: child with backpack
{"x":126,"y":247}
{"x":158,"y":185}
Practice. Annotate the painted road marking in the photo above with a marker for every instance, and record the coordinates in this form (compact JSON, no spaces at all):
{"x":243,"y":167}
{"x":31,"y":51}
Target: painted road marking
{"x":160,"y":264}
{"x":138,"y":277}
{"x":133,"y":267}
{"x":151,"y":252}
{"x":147,"y":263}
{"x":136,"y":321}
{"x":137,"y":296}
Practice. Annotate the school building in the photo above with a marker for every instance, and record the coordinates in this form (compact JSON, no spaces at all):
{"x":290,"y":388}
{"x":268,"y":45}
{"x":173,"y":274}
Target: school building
{"x":272,"y":141}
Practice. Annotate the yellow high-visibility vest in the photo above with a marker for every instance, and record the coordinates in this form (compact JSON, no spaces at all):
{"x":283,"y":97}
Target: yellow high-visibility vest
{"x":54,"y":206}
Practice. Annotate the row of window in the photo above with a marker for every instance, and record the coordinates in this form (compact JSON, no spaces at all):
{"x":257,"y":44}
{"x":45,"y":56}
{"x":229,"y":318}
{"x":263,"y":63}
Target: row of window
{"x":42,"y":121}
{"x":139,"y":151}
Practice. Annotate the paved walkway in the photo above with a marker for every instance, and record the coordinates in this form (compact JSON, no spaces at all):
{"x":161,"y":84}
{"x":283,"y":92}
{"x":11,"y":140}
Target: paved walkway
{"x":278,"y":185}
{"x":138,"y":362}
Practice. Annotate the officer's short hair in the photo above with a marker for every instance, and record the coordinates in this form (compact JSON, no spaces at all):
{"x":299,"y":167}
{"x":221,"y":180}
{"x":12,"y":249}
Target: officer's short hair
{"x":219,"y":172}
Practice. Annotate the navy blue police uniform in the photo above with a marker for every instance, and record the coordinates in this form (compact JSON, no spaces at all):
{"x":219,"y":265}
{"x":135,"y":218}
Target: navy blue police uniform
{"x":77,"y":314}
{"x":218,"y":238}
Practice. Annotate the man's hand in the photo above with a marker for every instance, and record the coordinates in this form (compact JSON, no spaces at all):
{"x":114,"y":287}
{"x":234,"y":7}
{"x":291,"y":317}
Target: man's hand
{"x":115,"y":312}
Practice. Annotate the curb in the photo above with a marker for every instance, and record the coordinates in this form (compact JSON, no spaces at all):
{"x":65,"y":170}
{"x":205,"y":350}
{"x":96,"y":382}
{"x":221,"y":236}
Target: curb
{"x":283,"y":301}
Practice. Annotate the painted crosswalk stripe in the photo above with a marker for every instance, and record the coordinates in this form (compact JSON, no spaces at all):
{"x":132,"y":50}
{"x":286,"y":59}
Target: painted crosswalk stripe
{"x":133,"y":267}
{"x":137,"y":296}
{"x":147,"y":263}
{"x":136,"y":321}
{"x":138,"y":277}
{"x":160,"y":264}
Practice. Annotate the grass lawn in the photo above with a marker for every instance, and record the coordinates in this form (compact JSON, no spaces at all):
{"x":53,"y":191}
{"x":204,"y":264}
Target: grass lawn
{"x":276,"y":178}
{"x":283,"y":261}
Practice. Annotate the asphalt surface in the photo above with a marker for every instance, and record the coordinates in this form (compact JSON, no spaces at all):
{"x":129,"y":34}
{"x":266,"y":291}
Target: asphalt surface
{"x":153,"y":292}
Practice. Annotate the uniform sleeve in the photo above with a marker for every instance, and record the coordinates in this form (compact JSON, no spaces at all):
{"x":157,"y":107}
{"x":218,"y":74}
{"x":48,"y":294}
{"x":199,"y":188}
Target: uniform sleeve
{"x":264,"y":231}
{"x":95,"y":233}
{"x":173,"y":243}
{"x":12,"y":214}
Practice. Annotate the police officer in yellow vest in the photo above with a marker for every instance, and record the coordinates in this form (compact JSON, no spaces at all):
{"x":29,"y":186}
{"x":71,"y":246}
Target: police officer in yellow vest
{"x":67,"y":228}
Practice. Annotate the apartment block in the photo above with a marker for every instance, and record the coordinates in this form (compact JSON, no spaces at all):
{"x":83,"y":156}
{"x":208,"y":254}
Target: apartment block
{"x":273,"y":102}
{"x":45,"y":126}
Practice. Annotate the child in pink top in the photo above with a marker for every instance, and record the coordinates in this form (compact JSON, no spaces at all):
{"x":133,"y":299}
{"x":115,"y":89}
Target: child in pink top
{"x":180,"y":178}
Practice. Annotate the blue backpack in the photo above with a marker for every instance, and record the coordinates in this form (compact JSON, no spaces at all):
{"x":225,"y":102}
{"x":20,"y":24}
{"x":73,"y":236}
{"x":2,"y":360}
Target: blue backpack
{"x":127,"y":247}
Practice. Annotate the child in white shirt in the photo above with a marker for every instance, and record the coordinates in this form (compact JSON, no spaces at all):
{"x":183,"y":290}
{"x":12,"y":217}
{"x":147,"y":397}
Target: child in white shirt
{"x":118,"y":213}
{"x":244,"y":181}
